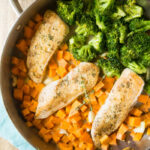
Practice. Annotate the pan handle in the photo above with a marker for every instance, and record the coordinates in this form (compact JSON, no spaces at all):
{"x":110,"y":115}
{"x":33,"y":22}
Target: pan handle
{"x":16,"y":6}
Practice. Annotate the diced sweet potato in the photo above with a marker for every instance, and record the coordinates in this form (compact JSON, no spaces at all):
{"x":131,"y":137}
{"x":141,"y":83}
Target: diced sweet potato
{"x":18,"y":94}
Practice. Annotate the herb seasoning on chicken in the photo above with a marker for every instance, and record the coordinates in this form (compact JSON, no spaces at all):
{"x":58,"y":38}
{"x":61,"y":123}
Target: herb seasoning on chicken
{"x":45,"y":42}
{"x":120,"y":101}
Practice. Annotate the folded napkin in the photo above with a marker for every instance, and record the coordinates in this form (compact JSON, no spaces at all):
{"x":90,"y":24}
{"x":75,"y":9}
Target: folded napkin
{"x":9,"y":132}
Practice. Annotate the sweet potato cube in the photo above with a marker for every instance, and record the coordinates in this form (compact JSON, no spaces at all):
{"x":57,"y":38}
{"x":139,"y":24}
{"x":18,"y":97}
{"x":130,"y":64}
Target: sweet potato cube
{"x":15,"y":60}
{"x":61,"y":71}
{"x":28,"y":32}
{"x":51,"y":73}
{"x":59,"y":55}
{"x":134,"y":121}
{"x":136,"y":112}
{"x":98,"y":86}
{"x":61,"y":114}
{"x":38,"y":18}
{"x":67,"y":55}
{"x":63,"y":63}
{"x":143,"y":99}
{"x":18,"y":94}
{"x":105,"y":139}
{"x":25,"y":111}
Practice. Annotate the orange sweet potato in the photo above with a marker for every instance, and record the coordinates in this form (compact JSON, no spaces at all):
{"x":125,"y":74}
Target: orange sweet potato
{"x":61,"y":71}
{"x":98,"y":86}
{"x":143,"y":99}
{"x":67,"y":56}
{"x":134,"y":121}
{"x":15,"y":60}
{"x":22,"y":46}
{"x":59,"y":55}
{"x":18,"y":94}
{"x":136,"y":112}
{"x":38,"y":18}
{"x":28,"y":32}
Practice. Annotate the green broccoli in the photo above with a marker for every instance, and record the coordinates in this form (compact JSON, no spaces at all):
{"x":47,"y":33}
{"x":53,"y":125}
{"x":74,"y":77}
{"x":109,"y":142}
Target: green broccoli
{"x":77,"y":42}
{"x":145,"y":58}
{"x":132,"y":53}
{"x":132,"y":10}
{"x":114,"y":36}
{"x":139,"y":42}
{"x":111,"y":66}
{"x":103,"y":22}
{"x":80,"y":50}
{"x":69,"y":11}
{"x":118,"y":14}
{"x":98,"y":42}
{"x":112,"y":40}
{"x":86,"y":26}
{"x":122,"y":32}
{"x":136,"y":45}
{"x":85,"y":53}
{"x":139,"y":25}
{"x":126,"y":55}
{"x":104,"y":7}
{"x":137,"y":67}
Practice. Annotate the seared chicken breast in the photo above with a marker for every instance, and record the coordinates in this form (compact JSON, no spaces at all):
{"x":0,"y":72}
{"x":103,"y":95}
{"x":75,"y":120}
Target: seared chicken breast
{"x":60,"y":93}
{"x":120,"y":101}
{"x":45,"y":42}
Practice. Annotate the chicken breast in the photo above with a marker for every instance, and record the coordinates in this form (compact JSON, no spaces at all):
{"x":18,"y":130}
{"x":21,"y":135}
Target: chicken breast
{"x":60,"y":93}
{"x":120,"y":101}
{"x":45,"y":42}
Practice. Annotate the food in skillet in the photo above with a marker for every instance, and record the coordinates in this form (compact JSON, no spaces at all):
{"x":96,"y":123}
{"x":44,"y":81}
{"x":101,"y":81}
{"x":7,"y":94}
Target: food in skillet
{"x":61,"y":93}
{"x":110,"y":34}
{"x":44,"y":44}
{"x":119,"y":103}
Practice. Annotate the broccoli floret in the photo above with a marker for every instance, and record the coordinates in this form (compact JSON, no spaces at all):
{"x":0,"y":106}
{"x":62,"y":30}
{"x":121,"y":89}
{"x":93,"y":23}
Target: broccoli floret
{"x":115,"y":36}
{"x":112,"y":40}
{"x":111,"y":66}
{"x":104,"y":6}
{"x":123,"y":33}
{"x":136,"y":45}
{"x":119,"y":13}
{"x":126,"y":55}
{"x":145,"y":59}
{"x":69,"y":10}
{"x":98,"y":42}
{"x":103,"y":22}
{"x":132,"y":10}
{"x":80,"y":50}
{"x":86,"y":26}
{"x":132,"y":54}
{"x":147,"y":87}
{"x":139,"y":42}
{"x":139,"y":25}
{"x":76,"y":42}
{"x":85,"y":53}
{"x":137,"y":67}
{"x":102,"y":9}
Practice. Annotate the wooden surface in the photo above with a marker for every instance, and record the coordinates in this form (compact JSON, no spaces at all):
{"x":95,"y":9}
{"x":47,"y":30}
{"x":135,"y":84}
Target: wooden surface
{"x":7,"y":19}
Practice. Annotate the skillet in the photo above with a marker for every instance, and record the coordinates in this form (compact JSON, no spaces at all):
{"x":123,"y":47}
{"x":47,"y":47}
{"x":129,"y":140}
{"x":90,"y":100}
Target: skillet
{"x":29,"y":134}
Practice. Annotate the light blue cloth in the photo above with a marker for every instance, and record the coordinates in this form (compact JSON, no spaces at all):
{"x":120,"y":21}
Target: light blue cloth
{"x":9,"y":132}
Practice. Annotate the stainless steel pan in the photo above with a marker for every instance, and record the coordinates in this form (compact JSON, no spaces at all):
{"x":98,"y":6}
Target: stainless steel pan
{"x":30,"y":134}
